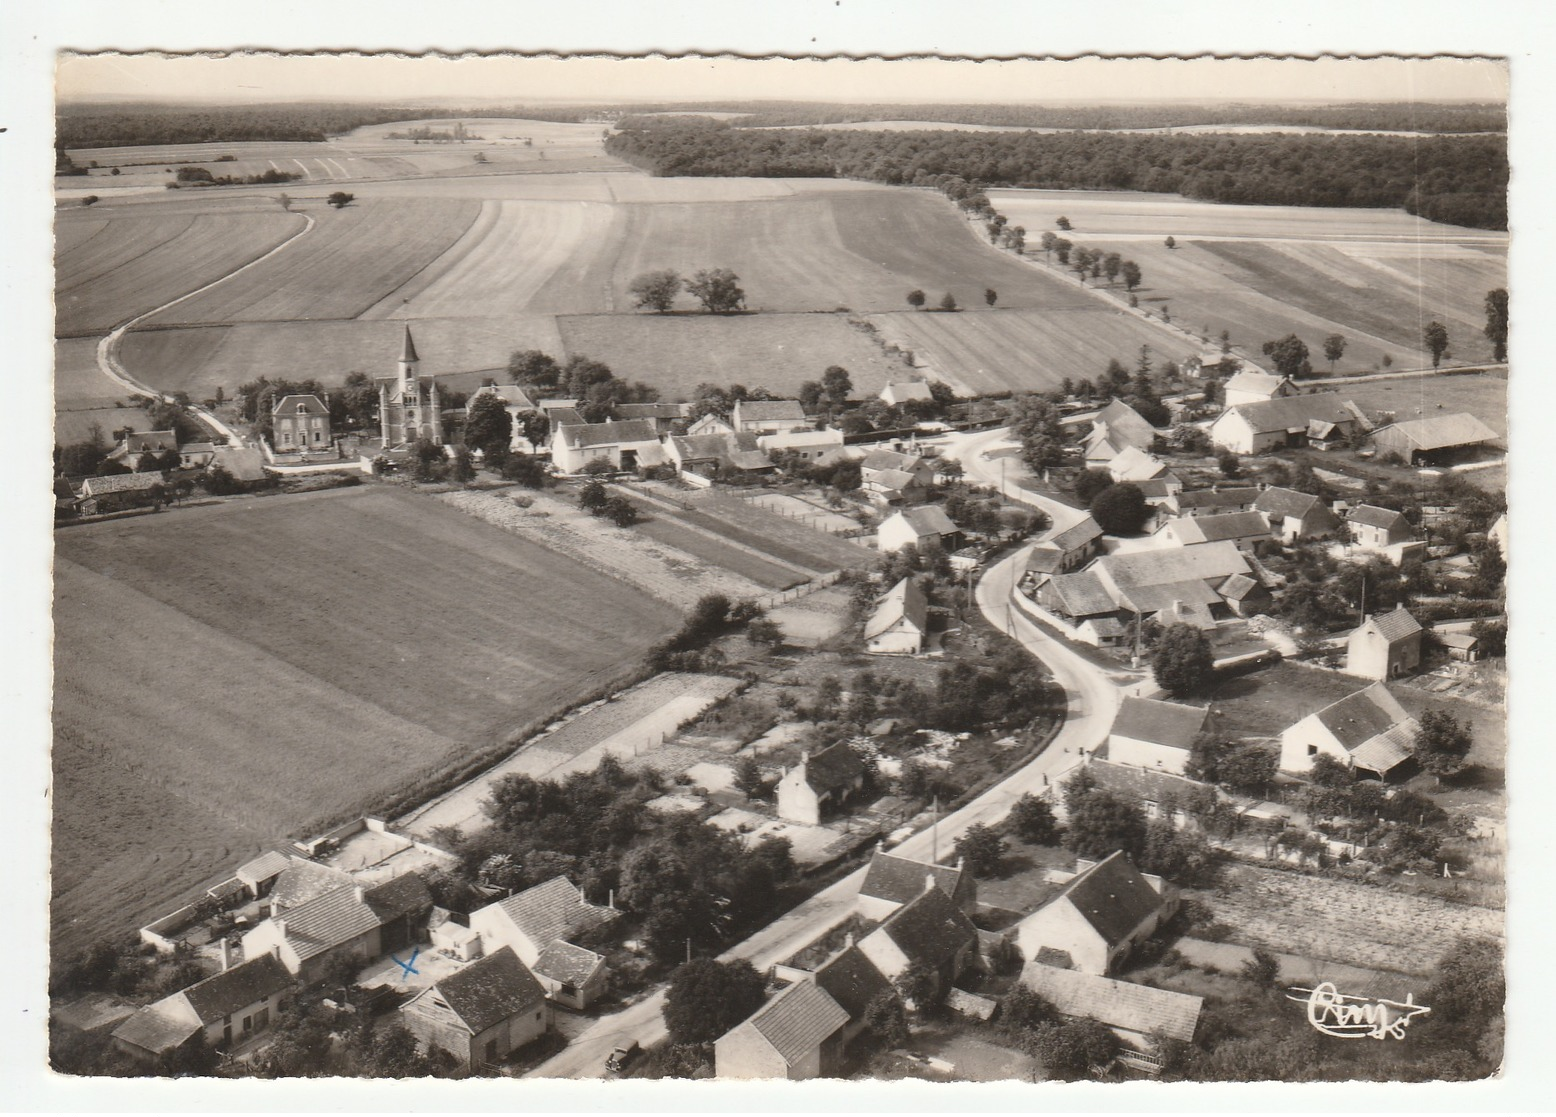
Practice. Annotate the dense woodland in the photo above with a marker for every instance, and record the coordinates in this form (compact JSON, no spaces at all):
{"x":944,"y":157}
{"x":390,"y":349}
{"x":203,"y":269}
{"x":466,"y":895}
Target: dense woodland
{"x":1458,"y":179}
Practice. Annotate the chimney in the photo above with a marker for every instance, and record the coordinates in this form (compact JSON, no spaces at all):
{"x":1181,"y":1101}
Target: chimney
{"x":276,"y":904}
{"x":959,"y":862}
{"x":226,"y":954}
{"x":929,"y":882}
{"x":848,"y":941}
{"x":361,"y":894}
{"x":611,"y":900}
{"x":276,"y":951}
{"x":280,"y":930}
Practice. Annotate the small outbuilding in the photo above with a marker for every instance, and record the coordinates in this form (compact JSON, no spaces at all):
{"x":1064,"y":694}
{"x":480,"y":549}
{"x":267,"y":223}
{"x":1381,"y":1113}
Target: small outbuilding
{"x":900,"y":623}
{"x":482,"y":1013}
{"x":1385,"y":646}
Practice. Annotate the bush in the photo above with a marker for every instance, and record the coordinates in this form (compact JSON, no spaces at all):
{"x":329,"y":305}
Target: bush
{"x":1120,"y":509}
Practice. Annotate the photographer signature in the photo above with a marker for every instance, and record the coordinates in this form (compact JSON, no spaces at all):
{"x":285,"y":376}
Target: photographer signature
{"x":1337,"y":1014}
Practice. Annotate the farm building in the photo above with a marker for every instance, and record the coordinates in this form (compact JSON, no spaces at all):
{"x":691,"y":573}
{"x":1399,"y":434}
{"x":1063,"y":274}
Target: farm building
{"x":132,"y":447}
{"x":1385,"y":646}
{"x":1376,"y":529}
{"x":227,"y":1007}
{"x":1083,"y":601}
{"x":1245,"y":595}
{"x":1461,"y":646}
{"x":1135,"y":1013}
{"x":119,"y":491}
{"x":481,"y":1013}
{"x":766,"y":416}
{"x":807,"y":445}
{"x":711,"y":424}
{"x":1436,"y":439}
{"x":929,"y":931}
{"x":1322,"y":418}
{"x":920,"y":526}
{"x":1154,"y":791}
{"x":1114,"y":429}
{"x":888,"y":471}
{"x":1157,"y":735}
{"x":851,"y":979}
{"x":819,"y":784}
{"x":346,"y":922}
{"x":896,"y":394}
{"x":1063,"y":551}
{"x":559,"y":411}
{"x":260,"y":875}
{"x":1368,"y":731}
{"x":664,"y":416}
{"x":301,"y":422}
{"x":1103,"y":913}
{"x":1255,"y":386}
{"x":791,"y":1037}
{"x":571,"y":975}
{"x":1175,"y":584}
{"x":1213,"y":502}
{"x":408,"y":405}
{"x":1135,"y":466}
{"x":706,"y":454}
{"x":1293,"y":515}
{"x":621,"y":445}
{"x":1243,"y":529}
{"x":891,"y":487}
{"x":530,"y":921}
{"x":892,"y":881}
{"x":900,"y":623}
{"x":196,"y":455}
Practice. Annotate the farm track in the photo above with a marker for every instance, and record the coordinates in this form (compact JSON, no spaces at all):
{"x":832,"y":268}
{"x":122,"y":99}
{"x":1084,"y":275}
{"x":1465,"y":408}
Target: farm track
{"x":809,"y":550}
{"x":788,"y":574}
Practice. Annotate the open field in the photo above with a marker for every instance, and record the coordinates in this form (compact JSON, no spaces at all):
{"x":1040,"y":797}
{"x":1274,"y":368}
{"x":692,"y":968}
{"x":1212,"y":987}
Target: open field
{"x":1026,"y":350}
{"x":711,"y":549}
{"x":78,"y":382}
{"x":745,"y":522}
{"x":231,"y":674}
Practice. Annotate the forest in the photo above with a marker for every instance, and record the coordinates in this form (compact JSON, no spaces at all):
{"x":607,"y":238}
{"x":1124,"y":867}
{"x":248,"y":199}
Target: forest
{"x":1457,"y":179}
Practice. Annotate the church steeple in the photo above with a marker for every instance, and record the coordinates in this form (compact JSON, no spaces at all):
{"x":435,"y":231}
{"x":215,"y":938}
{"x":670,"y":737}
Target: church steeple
{"x":408,"y":363}
{"x":408,"y":350}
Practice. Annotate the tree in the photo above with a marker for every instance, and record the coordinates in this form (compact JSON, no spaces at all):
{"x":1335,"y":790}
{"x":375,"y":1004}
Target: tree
{"x":1231,"y":465}
{"x":524,"y":469}
{"x":655,"y":290}
{"x":1062,"y":250}
{"x":340,"y":199}
{"x":1090,"y":482}
{"x":1063,"y":223}
{"x":1290,"y":356}
{"x":1035,"y":423}
{"x":462,"y":469}
{"x":1071,"y":1049}
{"x":1469,"y":985}
{"x":764,"y":632}
{"x":1330,"y":772}
{"x":1033,"y":820}
{"x":1182,"y":661}
{"x":1334,"y":349}
{"x":982,"y":850}
{"x":532,"y":367}
{"x":1131,"y":273}
{"x":286,"y":202}
{"x":1120,"y":509}
{"x":836,"y":384}
{"x":592,"y":498}
{"x":707,"y":998}
{"x":1101,"y":822}
{"x":886,"y":1021}
{"x":1435,"y":335}
{"x":1442,"y":743}
{"x":488,"y":425}
{"x":620,"y":511}
{"x":919,"y":986}
{"x":1048,"y":243}
{"x":749,"y":780}
{"x":1263,"y":969}
{"x":717,"y":289}
{"x":1496,"y":323}
{"x":1112,"y":264}
{"x":1248,"y":769}
{"x":948,"y":301}
{"x":1171,"y":242}
{"x":916,"y":299}
{"x":990,"y":295}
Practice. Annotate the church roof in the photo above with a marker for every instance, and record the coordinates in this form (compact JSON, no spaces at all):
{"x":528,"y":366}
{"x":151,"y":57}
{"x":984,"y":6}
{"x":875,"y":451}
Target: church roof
{"x":408,"y":349}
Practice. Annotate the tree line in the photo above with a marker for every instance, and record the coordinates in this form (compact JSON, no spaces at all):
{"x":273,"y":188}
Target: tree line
{"x":1458,"y":178}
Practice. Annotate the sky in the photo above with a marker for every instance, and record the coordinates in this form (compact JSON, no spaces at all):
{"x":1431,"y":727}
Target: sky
{"x":272,"y":77}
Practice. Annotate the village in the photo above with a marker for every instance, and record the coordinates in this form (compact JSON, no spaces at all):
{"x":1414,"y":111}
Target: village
{"x":981,"y":792}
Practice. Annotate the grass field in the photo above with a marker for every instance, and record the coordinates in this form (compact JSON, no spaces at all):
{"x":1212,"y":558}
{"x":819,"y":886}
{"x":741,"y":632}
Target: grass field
{"x":1483,"y":396}
{"x":704,"y":546}
{"x":232,"y":674}
{"x":753,"y":526}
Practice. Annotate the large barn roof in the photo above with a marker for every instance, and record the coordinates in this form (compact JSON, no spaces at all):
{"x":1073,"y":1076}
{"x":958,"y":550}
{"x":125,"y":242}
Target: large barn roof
{"x":1439,"y":432}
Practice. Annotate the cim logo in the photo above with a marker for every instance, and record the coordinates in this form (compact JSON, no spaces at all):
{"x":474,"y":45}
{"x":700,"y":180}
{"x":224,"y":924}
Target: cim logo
{"x":1345,"y":1017}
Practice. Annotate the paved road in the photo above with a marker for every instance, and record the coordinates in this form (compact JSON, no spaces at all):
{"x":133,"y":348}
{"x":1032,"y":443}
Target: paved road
{"x":1093,"y":702}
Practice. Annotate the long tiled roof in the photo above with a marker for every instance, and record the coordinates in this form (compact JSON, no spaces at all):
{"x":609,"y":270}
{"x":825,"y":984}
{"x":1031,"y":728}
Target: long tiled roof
{"x":1358,"y":718}
{"x":650,"y":410}
{"x":1220,"y":559}
{"x":1278,"y":502}
{"x":1285,"y":413}
{"x":1223,"y":525}
{"x":1141,"y":783}
{"x":770,"y":410}
{"x":1217,"y":498}
{"x":836,"y":766}
{"x":853,"y":981}
{"x":1373,"y":516}
{"x":607,"y":434}
{"x":155,"y":442}
{"x":1123,"y":420}
{"x":225,"y":993}
{"x":554,"y":910}
{"x":1252,"y":380}
{"x":339,"y":916}
{"x":1161,"y":723}
{"x":1154,"y":598}
{"x":1439,"y":432}
{"x":928,"y":519}
{"x":1082,"y":595}
{"x":263,"y":867}
{"x":929,"y":929}
{"x":798,"y":1020}
{"x":1076,"y":535}
{"x":1112,"y":896}
{"x":904,"y":601}
{"x":1118,"y":1004}
{"x":900,"y":879}
{"x":121,"y":483}
{"x":157,"y":1028}
{"x":569,"y":964}
{"x":486,"y":993}
{"x":301,"y":881}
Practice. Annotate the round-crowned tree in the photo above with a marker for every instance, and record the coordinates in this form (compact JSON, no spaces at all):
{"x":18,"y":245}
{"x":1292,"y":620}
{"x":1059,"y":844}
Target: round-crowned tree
{"x":1120,"y":509}
{"x":1183,"y":662}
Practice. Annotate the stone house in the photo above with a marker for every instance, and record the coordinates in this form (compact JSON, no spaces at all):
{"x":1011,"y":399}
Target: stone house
{"x":819,"y":784}
{"x":1099,"y":917}
{"x":482,"y":1012}
{"x":1384,"y":646}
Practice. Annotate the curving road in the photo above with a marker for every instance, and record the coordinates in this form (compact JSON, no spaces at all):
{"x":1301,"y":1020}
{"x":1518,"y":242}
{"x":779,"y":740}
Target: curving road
{"x":1093,"y":702}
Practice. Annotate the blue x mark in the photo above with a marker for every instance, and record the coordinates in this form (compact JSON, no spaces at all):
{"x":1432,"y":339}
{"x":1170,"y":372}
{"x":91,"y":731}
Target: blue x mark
{"x":408,"y":968}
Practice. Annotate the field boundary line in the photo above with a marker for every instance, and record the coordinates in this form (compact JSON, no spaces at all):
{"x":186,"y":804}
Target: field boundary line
{"x":707,"y":533}
{"x":486,"y":219}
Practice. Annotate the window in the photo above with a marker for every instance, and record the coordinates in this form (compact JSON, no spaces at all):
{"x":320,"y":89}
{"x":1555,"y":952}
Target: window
{"x":318,"y":424}
{"x":1312,"y":750}
{"x":317,"y":437}
{"x":248,"y":1023}
{"x":286,"y":438}
{"x":302,"y":409}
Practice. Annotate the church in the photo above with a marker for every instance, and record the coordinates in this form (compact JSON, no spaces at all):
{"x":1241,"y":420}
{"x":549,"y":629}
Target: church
{"x":408,"y":405}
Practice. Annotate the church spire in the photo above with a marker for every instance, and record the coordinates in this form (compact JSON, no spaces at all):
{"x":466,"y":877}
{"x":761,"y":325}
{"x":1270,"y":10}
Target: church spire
{"x":408,"y":350}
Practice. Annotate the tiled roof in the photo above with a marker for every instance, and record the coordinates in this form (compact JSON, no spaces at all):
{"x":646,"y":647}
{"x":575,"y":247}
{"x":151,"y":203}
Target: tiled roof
{"x":908,"y":389}
{"x":1112,"y":896}
{"x":929,"y":929}
{"x":1161,"y":723}
{"x":1251,"y":380}
{"x":904,"y":601}
{"x":1280,"y":503}
{"x":1174,"y":564}
{"x":1237,"y":587}
{"x":1155,"y":598}
{"x":312,"y":405}
{"x":1082,"y":595}
{"x":156,"y":1028}
{"x":486,"y":993}
{"x":877,"y":460}
{"x":1396,"y":624}
{"x":834,"y":767}
{"x":569,"y":964}
{"x":1358,"y":718}
{"x":1045,"y":558}
{"x":900,"y":879}
{"x":578,"y":435}
{"x":1102,"y":445}
{"x":750,"y":459}
{"x":510,"y":394}
{"x":150,"y":441}
{"x":1223,"y":525}
{"x":1286,"y":413}
{"x":1118,"y":1004}
{"x":566,"y":416}
{"x":1076,"y":535}
{"x":928,"y":519}
{"x":1105,"y":626}
{"x":554,"y":910}
{"x":1373,"y":516}
{"x":853,"y":981}
{"x":225,"y":993}
{"x":301,"y":881}
{"x":1134,"y":464}
{"x":893,"y":479}
{"x":1462,"y":640}
{"x":798,"y":1020}
{"x":1124,"y":421}
{"x":263,"y":867}
{"x":1217,"y":498}
{"x":339,"y":916}
{"x":1442,"y":431}
{"x":1156,"y":488}
{"x":121,"y":483}
{"x":696,"y":446}
{"x":649,"y":411}
{"x":1141,"y":783}
{"x":770,"y":410}
{"x":1387,"y":750}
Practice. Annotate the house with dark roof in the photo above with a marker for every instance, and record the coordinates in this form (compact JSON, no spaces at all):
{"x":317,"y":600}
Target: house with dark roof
{"x":1436,"y":439}
{"x":1293,"y":515}
{"x":706,"y":454}
{"x":1160,"y":794}
{"x":919,"y":526}
{"x":300,"y":881}
{"x":892,"y":881}
{"x":1245,"y":595}
{"x":1252,"y":428}
{"x":1243,"y":529}
{"x":789,"y":1037}
{"x":571,"y":975}
{"x":530,"y":921}
{"x":664,"y":416}
{"x":900,"y":623}
{"x":1214,"y":502}
{"x":620,"y":445}
{"x":1135,"y":1013}
{"x":1157,"y":735}
{"x":349,"y":922}
{"x":929,"y":931}
{"x":480,"y":1013}
{"x":1368,"y":731}
{"x":120,"y":491}
{"x":819,"y":784}
{"x":1376,"y":529}
{"x":1101,"y":915}
{"x":1066,"y":550}
{"x":300,"y":422}
{"x":227,"y":1007}
{"x":852,"y":980}
{"x":1384,"y":646}
{"x":1082,"y":601}
{"x":763,"y":416}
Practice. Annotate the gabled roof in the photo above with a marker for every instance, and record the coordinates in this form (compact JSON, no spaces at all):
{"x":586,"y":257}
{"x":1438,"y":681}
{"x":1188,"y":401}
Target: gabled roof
{"x":554,"y":910}
{"x":1217,"y":498}
{"x":1155,"y":598}
{"x":1112,"y":896}
{"x":1397,"y":624}
{"x":929,"y":929}
{"x":301,"y":881}
{"x":650,"y":410}
{"x":565,"y":416}
{"x":770,"y":410}
{"x":1281,"y":503}
{"x":157,"y":1028}
{"x":928,"y":519}
{"x":1126,"y":423}
{"x":1156,"y":488}
{"x":1103,"y":445}
{"x":834,"y":767}
{"x":877,"y":460}
{"x":907,"y":389}
{"x":339,"y":916}
{"x":853,"y":981}
{"x":1141,"y":783}
{"x":121,"y":483}
{"x":1135,"y":464}
{"x":1369,"y":715}
{"x":1442,"y":431}
{"x":1045,"y":558}
{"x":1253,"y":380}
{"x":579,"y":435}
{"x":569,"y":964}
{"x":1118,"y":1004}
{"x":312,"y":405}
{"x":1292,"y":413}
{"x":154,"y":442}
{"x":1221,"y":525}
{"x":899,"y":880}
{"x":1161,"y":723}
{"x":1204,"y":561}
{"x":1082,"y":595}
{"x":263,"y":867}
{"x":1373,"y":516}
{"x":1077,"y":535}
{"x":903,"y":602}
{"x":511,"y":394}
{"x":225,"y":993}
{"x":798,"y":1020}
{"x":695,"y":447}
{"x":1238,"y":587}
{"x":486,"y":993}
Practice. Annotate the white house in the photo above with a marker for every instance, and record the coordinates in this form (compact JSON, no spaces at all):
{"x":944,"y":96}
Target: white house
{"x":350,"y":921}
{"x":1135,"y":465}
{"x":1253,"y":385}
{"x":1368,"y":730}
{"x":1293,"y":515}
{"x":620,"y":445}
{"x":900,"y":623}
{"x":1252,"y":428}
{"x":920,"y":526}
{"x":1101,"y":915}
{"x":1377,"y":529}
{"x":1157,"y":735}
{"x":786,"y":1038}
{"x":929,"y":931}
{"x":530,"y":921}
{"x":809,"y":445}
{"x":480,"y":1013}
{"x":819,"y":783}
{"x":895,"y":394}
{"x":766,"y":416}
{"x":1384,"y":646}
{"x":226,"y":1008}
{"x":711,"y":423}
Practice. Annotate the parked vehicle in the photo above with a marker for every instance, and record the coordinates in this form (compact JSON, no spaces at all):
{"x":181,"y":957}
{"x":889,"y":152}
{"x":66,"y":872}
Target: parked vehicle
{"x":621,"y":1057}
